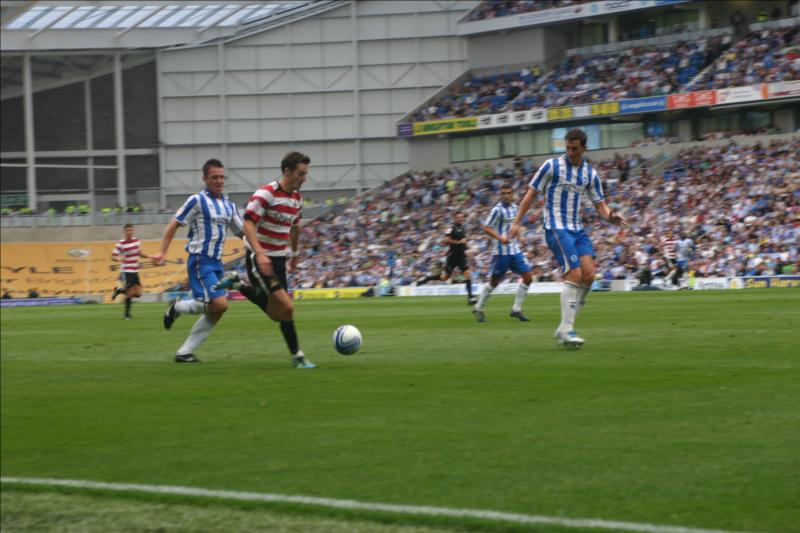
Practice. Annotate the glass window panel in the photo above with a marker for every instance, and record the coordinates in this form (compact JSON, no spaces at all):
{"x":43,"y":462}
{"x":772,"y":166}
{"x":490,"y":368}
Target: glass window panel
{"x":112,"y":20}
{"x":74,"y":17}
{"x":474,"y":148}
{"x":622,"y":135}
{"x":508,"y":144}
{"x":201,"y":17}
{"x":137,"y":16}
{"x":157,"y":17}
{"x":94,"y":16}
{"x":262,"y":12}
{"x":235,"y":19}
{"x":28,"y":17}
{"x":491,"y":146}
{"x":178,"y":16}
{"x":754,"y":120}
{"x":458,"y":150}
{"x":541,"y":142}
{"x":525,"y":143}
{"x":220,"y":15}
{"x":49,"y":16}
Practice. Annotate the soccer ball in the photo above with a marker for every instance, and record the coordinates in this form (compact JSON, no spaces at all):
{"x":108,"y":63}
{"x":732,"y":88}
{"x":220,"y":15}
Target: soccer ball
{"x":347,"y":339}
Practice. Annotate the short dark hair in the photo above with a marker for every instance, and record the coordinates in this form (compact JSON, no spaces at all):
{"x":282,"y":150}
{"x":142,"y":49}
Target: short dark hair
{"x":212,"y":163}
{"x":292,"y":159}
{"x":506,"y":186}
{"x":576,"y":134}
{"x":126,"y":226}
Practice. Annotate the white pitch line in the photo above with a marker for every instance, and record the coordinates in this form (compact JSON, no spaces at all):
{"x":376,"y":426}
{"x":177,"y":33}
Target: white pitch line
{"x":363,"y":506}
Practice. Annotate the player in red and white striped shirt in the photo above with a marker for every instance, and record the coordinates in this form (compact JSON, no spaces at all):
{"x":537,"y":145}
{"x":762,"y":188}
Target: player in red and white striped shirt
{"x":271,"y":229}
{"x":128,"y":251}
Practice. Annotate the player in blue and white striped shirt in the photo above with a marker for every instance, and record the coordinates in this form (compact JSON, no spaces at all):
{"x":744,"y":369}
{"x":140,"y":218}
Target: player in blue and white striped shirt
{"x":208,"y":214}
{"x":506,"y":255}
{"x":563,"y":181}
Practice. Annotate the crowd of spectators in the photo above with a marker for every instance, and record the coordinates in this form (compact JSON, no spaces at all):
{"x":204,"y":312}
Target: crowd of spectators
{"x":761,"y":56}
{"x":632,"y":73}
{"x":739,"y":204}
{"x":489,"y":9}
{"x":764,"y":56}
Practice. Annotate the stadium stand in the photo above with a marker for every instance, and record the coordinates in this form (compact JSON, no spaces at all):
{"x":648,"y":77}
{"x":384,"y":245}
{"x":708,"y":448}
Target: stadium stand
{"x":759,"y":57}
{"x":632,"y":73}
{"x":76,"y":268}
{"x":708,"y":63}
{"x":503,"y":8}
{"x":736,"y":202}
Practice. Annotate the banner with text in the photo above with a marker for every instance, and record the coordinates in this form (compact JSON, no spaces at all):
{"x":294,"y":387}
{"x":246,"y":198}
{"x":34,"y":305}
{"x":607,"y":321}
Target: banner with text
{"x":766,"y":282}
{"x":643,"y":105}
{"x":783,"y":89}
{"x":650,"y":104}
{"x":695,"y":99}
{"x":345,"y":292}
{"x":448,"y":125}
{"x":735,"y":95}
{"x":459,"y":290}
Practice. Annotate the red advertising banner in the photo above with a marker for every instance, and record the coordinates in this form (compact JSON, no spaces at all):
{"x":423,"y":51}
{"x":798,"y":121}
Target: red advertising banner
{"x":695,"y":99}
{"x":679,"y":101}
{"x":704,"y":98}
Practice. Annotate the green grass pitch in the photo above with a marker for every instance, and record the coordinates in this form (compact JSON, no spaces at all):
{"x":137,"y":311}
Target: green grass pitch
{"x":683,"y":408}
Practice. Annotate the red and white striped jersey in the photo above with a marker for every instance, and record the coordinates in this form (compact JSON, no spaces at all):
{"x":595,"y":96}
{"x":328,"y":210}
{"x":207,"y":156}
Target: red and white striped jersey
{"x":129,"y":252}
{"x":668,"y":247}
{"x":274,"y":212}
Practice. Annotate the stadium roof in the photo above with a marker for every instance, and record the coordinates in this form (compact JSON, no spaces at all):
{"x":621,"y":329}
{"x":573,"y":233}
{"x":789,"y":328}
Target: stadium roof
{"x":77,"y":25}
{"x":68,"y":40}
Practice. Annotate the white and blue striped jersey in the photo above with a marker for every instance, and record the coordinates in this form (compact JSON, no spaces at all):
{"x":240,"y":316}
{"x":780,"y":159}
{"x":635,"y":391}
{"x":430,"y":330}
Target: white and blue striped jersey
{"x":500,"y":219}
{"x":208,"y":217}
{"x":562,"y":185}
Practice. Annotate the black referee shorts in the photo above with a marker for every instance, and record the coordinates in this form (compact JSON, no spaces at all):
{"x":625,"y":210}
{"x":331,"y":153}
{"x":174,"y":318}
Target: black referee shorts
{"x":456,"y":263}
{"x":270,"y":283}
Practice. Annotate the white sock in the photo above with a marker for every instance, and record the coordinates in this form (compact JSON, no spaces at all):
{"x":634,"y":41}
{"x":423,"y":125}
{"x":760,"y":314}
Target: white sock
{"x":522,"y":292}
{"x":197,"y":336}
{"x":583,"y":292}
{"x":486,"y":290}
{"x":189,"y":307}
{"x":569,"y":306}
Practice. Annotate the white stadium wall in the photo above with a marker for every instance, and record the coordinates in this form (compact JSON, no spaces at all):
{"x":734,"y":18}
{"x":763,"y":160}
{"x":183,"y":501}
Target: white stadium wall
{"x":333,"y":86}
{"x":531,"y":46}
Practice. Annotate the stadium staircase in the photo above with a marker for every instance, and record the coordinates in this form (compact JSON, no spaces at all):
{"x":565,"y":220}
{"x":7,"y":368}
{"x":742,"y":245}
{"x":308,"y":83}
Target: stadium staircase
{"x":699,"y":76}
{"x":660,"y":163}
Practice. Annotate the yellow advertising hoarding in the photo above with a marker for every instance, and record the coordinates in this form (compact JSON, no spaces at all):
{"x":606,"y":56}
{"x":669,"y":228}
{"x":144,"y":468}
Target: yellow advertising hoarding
{"x":559,"y":113}
{"x":63,"y":269}
{"x":449,"y":125}
{"x":347,"y":292}
{"x":605,"y":108}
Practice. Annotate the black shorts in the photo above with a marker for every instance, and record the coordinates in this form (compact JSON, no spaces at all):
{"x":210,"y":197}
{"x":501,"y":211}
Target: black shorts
{"x":129,"y":279}
{"x":271,"y":283}
{"x":456,"y":263}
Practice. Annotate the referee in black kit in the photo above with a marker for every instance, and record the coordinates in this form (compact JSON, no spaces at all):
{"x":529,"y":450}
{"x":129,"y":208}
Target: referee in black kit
{"x":456,"y":239}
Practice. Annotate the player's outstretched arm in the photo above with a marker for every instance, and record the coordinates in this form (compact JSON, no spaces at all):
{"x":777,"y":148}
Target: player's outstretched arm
{"x":524,"y":206}
{"x":609,"y":215}
{"x":169,"y":234}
